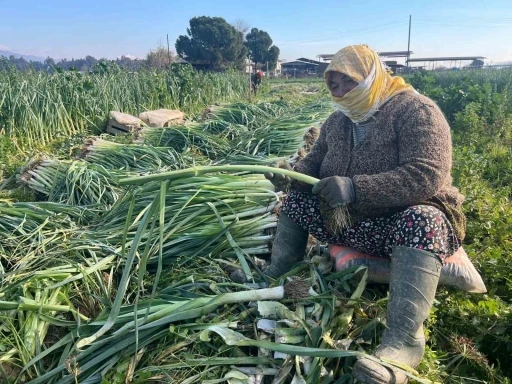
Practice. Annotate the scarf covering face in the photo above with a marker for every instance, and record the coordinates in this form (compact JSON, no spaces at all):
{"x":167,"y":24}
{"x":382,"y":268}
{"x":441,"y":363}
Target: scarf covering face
{"x":375,"y":83}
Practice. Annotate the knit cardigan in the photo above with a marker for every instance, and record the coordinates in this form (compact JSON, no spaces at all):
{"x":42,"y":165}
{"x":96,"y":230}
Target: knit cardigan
{"x":404,"y":160}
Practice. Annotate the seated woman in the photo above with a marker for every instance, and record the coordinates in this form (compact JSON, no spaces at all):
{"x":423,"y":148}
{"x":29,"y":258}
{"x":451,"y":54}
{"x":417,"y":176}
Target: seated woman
{"x":384,"y":157}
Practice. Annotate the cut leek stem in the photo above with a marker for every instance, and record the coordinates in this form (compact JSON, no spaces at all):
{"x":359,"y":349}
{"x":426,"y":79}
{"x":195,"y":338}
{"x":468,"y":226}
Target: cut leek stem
{"x":196,"y":171}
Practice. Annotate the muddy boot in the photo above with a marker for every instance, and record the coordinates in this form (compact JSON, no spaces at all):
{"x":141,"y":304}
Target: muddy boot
{"x":413,"y":281}
{"x":288,"y":248}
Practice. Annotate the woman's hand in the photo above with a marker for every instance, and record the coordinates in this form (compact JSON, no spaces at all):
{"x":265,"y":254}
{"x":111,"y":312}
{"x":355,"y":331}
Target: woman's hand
{"x":336,"y":190}
{"x":281,"y":182}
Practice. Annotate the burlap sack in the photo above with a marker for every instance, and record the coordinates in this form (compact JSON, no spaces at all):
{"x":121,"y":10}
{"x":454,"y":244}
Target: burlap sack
{"x":162,"y":117}
{"x":122,"y":122}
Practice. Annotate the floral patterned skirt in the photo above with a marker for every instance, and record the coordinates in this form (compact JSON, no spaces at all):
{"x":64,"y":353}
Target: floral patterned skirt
{"x":420,"y":226}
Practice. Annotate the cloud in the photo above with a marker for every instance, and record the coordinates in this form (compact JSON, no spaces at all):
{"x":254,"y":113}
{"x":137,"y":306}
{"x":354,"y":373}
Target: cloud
{"x":4,"y":48}
{"x":131,"y":57}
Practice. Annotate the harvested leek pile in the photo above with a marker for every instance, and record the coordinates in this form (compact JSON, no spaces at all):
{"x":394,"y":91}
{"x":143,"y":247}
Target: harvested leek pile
{"x":281,"y":136}
{"x":135,"y":157}
{"x":29,"y":230}
{"x":121,"y":274}
{"x":200,"y":216}
{"x":71,"y":182}
{"x":184,"y":138}
{"x":249,"y":115}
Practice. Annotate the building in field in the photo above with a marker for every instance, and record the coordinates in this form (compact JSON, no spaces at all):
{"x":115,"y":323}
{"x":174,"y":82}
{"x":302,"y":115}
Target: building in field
{"x":249,"y":68}
{"x":278,"y":69}
{"x":428,"y":63}
{"x":301,"y":67}
{"x":448,"y":63}
{"x":395,"y":67}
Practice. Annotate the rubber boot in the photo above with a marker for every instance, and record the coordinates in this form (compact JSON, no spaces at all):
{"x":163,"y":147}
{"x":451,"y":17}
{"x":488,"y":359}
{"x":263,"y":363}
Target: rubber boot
{"x":288,"y":248}
{"x":413,"y":281}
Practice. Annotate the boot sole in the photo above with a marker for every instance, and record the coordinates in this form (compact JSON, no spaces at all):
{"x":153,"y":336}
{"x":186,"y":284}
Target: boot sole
{"x":366,"y":371}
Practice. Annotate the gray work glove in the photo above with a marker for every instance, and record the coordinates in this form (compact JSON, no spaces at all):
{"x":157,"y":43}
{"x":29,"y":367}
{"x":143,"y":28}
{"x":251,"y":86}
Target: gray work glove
{"x":336,"y":190}
{"x":281,"y":182}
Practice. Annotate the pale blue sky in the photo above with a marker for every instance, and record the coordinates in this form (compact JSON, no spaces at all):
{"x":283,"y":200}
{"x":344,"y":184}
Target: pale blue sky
{"x":68,"y":28}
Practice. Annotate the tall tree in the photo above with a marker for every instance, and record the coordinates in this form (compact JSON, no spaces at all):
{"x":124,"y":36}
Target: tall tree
{"x":261,"y":49}
{"x":90,"y":62}
{"x":212,"y":42}
{"x":49,"y":64}
{"x":272,"y":57}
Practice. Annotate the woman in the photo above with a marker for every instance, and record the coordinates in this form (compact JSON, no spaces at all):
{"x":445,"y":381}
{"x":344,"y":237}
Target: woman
{"x":385,"y":155}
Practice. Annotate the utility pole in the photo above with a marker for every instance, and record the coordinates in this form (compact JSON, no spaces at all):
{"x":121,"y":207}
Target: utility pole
{"x":409,"y":42}
{"x":250,"y":80}
{"x":168,"y":53}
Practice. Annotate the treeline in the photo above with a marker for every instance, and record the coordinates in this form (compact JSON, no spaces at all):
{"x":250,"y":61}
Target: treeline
{"x":211,"y":44}
{"x":155,"y":59}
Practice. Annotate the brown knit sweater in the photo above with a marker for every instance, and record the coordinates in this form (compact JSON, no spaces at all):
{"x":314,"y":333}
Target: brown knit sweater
{"x":404,"y":160}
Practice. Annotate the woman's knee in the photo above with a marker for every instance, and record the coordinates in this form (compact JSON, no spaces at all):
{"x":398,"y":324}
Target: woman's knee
{"x":424,"y":217}
{"x":422,"y":227}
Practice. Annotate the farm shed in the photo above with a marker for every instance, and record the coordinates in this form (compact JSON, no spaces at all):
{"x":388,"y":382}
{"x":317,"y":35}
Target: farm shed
{"x":390,"y":54}
{"x":450,"y":62}
{"x":301,"y":67}
{"x":393,"y":65}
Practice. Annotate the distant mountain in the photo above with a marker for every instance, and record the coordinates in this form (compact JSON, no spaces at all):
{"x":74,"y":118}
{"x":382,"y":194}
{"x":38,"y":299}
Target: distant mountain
{"x":18,"y":55}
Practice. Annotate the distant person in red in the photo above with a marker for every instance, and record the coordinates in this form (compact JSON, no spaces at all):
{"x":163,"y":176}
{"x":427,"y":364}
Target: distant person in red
{"x":256,"y":80}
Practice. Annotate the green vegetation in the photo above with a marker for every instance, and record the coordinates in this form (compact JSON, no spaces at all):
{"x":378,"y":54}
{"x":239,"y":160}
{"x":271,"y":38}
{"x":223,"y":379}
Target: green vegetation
{"x":473,"y":334}
{"x":261,"y":49}
{"x":37,"y":109}
{"x":213,"y":42}
{"x":115,"y":283}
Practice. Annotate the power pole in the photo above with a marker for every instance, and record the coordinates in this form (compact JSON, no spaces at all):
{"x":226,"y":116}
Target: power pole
{"x":250,"y":79}
{"x":409,"y":42}
{"x":168,"y":53}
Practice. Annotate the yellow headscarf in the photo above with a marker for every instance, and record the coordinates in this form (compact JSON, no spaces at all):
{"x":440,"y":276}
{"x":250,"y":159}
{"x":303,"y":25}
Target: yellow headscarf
{"x":375,"y":84}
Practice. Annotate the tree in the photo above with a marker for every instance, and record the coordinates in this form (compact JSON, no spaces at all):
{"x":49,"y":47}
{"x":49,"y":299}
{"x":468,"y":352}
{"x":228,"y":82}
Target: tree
{"x":261,"y":49}
{"x":131,"y":64}
{"x":477,"y":63}
{"x":159,"y":58}
{"x":272,"y":57}
{"x":49,"y":64}
{"x":90,"y":62}
{"x":19,"y":63}
{"x":213,"y":43}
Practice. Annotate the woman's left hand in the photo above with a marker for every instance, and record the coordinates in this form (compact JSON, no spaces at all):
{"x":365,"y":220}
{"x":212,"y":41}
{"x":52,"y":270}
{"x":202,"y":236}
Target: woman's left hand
{"x":336,"y":190}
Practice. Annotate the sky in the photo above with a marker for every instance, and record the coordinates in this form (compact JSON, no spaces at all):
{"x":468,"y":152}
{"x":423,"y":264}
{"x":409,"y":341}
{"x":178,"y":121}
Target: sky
{"x":300,"y":28}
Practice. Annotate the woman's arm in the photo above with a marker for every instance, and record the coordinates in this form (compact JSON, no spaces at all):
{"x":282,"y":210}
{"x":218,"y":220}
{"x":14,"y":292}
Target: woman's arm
{"x":425,"y":157}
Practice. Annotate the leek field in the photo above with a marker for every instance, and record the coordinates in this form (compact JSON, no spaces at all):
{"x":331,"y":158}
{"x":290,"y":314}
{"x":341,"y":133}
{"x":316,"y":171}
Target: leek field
{"x":109,"y":275}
